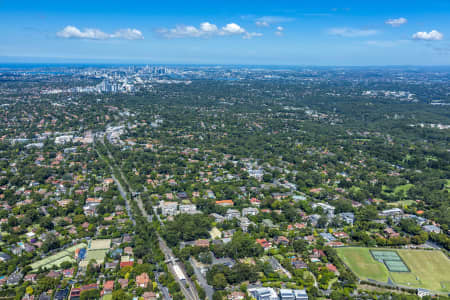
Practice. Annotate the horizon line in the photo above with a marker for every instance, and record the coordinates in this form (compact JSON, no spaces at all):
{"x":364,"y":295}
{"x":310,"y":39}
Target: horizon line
{"x":112,"y":63}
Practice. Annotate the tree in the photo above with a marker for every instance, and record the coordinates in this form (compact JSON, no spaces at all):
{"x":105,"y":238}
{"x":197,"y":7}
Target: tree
{"x":50,"y":243}
{"x":243,"y":245}
{"x":205,"y":257}
{"x":300,"y":245}
{"x":218,"y":295}
{"x":120,"y":295}
{"x":29,"y":290}
{"x":90,"y":295}
{"x":322,"y":222}
{"x":66,"y":265}
{"x":46,"y":222}
{"x":47,"y":283}
{"x":267,"y":177}
{"x":219,"y":281}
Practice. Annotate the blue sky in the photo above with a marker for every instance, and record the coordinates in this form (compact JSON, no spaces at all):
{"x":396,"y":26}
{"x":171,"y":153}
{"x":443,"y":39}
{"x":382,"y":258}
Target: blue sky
{"x":321,"y":32}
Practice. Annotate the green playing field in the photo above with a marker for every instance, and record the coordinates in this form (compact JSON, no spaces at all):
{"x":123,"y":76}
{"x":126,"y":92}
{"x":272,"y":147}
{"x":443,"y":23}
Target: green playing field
{"x":427,"y":269}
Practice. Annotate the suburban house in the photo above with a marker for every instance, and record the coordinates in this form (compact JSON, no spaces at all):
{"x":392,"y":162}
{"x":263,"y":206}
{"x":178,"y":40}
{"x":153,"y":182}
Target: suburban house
{"x":250,"y":211}
{"x":202,"y":243}
{"x":225,"y":203}
{"x":142,"y":280}
{"x":264,"y":243}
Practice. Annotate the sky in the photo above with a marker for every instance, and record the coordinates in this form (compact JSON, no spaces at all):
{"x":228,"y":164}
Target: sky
{"x":298,"y":32}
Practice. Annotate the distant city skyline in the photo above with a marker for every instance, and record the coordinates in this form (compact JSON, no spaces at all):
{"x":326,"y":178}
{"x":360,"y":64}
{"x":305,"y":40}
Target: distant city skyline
{"x":350,"y":33}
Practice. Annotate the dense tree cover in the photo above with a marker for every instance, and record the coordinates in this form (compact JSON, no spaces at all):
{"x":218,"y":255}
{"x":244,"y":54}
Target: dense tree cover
{"x":322,"y":136}
{"x":383,"y":144}
{"x":90,"y":295}
{"x":219,"y":276}
{"x":241,"y":245}
{"x":187,"y":228}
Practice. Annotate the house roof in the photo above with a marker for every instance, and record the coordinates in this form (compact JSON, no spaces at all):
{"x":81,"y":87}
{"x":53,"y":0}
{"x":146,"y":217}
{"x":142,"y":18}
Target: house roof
{"x":225,"y":202}
{"x":263,"y":242}
{"x":142,"y":279}
{"x":331,"y":267}
{"x":202,"y":243}
{"x":109,"y":285}
{"x":126,"y":264}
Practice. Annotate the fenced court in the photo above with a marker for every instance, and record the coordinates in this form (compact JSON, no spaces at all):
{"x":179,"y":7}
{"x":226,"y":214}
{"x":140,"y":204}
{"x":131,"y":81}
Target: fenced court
{"x":428,"y":269}
{"x":391,"y":259}
{"x":57,"y":258}
{"x":96,"y":250}
{"x":99,"y":244}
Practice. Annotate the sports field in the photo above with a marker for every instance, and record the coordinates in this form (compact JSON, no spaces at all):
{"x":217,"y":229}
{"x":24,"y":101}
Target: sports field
{"x":427,"y":269}
{"x":58,"y":258}
{"x":99,"y":244}
{"x":97,"y":250}
{"x":391,"y":260}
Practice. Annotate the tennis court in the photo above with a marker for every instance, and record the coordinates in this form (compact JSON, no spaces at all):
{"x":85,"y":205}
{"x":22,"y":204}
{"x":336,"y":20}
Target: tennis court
{"x":57,"y":258}
{"x":391,"y":259}
{"x":99,"y":244}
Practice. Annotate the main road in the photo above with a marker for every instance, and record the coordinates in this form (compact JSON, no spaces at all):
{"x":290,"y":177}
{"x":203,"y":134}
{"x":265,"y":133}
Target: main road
{"x":187,"y":287}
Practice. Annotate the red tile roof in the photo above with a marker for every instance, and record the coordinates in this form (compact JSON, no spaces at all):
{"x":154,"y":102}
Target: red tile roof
{"x":109,"y":285}
{"x":332,"y":268}
{"x":126,"y":264}
{"x":225,"y":202}
{"x":263,"y":242}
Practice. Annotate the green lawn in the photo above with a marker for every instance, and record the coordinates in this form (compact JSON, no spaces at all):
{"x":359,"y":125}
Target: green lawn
{"x":57,"y":258}
{"x":362,"y":263}
{"x":432,"y":269}
{"x":97,"y":255}
{"x":401,"y":203}
{"x":429,"y":269}
{"x":399,"y":190}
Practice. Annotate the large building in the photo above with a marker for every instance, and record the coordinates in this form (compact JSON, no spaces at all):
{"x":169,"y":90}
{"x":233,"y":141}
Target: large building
{"x":168,"y":208}
{"x":188,"y":209}
{"x":300,"y":295}
{"x":288,"y":294}
{"x":250,"y":211}
{"x":325,"y":207}
{"x":264,"y":294}
{"x":391,"y":212}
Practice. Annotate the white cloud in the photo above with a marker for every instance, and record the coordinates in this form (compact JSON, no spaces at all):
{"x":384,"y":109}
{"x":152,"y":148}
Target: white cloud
{"x":396,"y":22}
{"x":433,"y":35}
{"x":206,"y":30}
{"x":266,"y":21}
{"x":72,"y":32}
{"x":232,"y":28}
{"x":262,"y":24}
{"x":208,"y":27}
{"x":128,"y":34}
{"x":249,"y":35}
{"x":88,"y":33}
{"x":181,"y":31}
{"x":279,"y":31}
{"x":352,"y":32}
